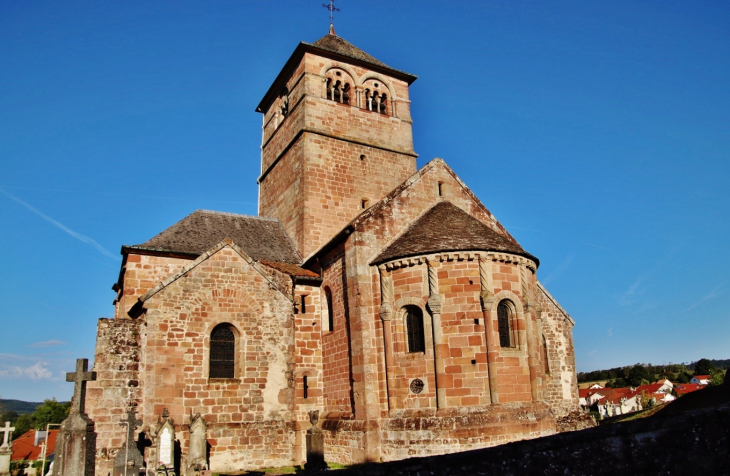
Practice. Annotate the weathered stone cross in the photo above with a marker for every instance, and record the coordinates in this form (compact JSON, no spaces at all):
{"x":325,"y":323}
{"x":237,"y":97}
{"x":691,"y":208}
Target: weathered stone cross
{"x":80,"y":377}
{"x":131,"y":423}
{"x":7,"y":429}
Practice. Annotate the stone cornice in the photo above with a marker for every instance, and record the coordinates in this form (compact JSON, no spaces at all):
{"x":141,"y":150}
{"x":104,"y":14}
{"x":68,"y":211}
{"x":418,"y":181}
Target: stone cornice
{"x":460,"y":256}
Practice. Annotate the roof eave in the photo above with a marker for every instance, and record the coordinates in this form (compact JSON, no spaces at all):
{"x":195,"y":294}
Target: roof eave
{"x":298,"y":54}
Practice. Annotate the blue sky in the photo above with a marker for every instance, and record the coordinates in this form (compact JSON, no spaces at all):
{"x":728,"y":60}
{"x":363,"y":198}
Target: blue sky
{"x":597,"y":133}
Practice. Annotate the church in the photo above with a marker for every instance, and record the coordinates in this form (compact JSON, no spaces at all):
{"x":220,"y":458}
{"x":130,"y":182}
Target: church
{"x":382,"y":305}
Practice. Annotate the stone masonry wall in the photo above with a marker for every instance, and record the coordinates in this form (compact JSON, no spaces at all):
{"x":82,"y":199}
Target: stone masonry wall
{"x":561,"y":388}
{"x":140,"y":274}
{"x":336,"y":342}
{"x":117,"y":386}
{"x":316,"y":183}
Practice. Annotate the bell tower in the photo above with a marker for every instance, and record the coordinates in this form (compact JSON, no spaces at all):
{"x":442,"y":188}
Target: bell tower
{"x":337,"y":138}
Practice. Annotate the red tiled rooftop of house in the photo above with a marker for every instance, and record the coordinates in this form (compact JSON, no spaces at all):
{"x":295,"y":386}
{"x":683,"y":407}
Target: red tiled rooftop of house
{"x":23,"y":448}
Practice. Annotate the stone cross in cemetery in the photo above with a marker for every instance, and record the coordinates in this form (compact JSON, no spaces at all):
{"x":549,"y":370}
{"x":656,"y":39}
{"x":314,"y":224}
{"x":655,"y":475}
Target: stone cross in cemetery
{"x":6,"y":451}
{"x":76,"y":444}
{"x":129,"y":460}
{"x":7,"y":430}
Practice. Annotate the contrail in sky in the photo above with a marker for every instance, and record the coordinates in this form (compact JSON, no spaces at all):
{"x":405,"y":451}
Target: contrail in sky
{"x":78,"y":236}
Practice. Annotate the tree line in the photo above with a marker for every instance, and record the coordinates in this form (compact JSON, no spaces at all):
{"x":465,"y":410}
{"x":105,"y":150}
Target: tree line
{"x":642,"y":374}
{"x":50,"y":411}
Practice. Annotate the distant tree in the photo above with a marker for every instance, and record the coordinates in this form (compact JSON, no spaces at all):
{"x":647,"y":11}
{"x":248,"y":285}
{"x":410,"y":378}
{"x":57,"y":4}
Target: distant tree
{"x":50,"y":411}
{"x":637,"y":373}
{"x":23,"y":424}
{"x":717,"y":376}
{"x":8,"y":415}
{"x":703,"y":367}
{"x":683,"y":377}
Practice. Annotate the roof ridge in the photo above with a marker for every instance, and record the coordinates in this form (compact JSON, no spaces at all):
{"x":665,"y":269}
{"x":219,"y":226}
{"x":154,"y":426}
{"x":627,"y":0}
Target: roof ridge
{"x":216,"y":212}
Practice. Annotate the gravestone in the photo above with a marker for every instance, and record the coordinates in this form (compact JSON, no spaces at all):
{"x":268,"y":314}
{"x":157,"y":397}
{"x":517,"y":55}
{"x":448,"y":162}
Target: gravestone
{"x":166,"y":445}
{"x":198,"y":450}
{"x":315,"y":445}
{"x":129,"y":461}
{"x":6,"y":449}
{"x":76,"y":444}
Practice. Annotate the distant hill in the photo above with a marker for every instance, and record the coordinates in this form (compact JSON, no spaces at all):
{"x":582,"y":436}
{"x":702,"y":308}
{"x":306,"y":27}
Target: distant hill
{"x":720,"y":364}
{"x":19,"y":406}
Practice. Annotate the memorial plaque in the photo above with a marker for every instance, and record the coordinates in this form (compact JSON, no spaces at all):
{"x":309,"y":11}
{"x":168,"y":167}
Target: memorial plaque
{"x":166,"y":447}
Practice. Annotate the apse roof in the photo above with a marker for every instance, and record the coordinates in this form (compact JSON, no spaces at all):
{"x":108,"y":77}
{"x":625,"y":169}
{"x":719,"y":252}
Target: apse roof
{"x":446,"y":227}
{"x":260,"y":238}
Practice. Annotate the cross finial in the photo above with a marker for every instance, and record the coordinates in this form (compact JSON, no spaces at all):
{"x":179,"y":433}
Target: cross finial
{"x":332,"y":8}
{"x":80,"y":377}
{"x":8,"y":430}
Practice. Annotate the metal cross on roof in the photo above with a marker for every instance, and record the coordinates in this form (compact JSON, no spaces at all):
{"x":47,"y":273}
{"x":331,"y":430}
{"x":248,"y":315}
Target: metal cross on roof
{"x":332,"y":8}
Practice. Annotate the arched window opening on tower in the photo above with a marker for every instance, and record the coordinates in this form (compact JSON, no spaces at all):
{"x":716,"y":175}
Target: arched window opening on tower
{"x":505,"y":316}
{"x":414,"y":328}
{"x":222,"y":352}
{"x":330,"y":313}
{"x":546,"y":369}
{"x":338,"y":90}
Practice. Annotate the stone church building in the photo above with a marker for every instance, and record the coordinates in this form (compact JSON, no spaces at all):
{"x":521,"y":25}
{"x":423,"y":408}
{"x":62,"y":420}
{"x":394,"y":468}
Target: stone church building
{"x":387,"y":298}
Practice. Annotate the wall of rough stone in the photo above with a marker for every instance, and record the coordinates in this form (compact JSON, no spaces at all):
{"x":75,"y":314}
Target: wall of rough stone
{"x":693,"y":442}
{"x":561,"y":384}
{"x":117,"y":387}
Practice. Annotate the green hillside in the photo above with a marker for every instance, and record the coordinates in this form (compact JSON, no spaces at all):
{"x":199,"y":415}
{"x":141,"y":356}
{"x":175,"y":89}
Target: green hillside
{"x":18,"y":406}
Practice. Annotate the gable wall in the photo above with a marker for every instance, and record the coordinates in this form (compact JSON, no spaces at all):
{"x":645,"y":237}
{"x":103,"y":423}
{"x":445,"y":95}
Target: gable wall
{"x":249,"y":418}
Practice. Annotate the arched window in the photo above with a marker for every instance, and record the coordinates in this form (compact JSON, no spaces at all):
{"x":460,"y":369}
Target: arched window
{"x":414,"y":327}
{"x":222,"y":352}
{"x":545,"y":355}
{"x":330,"y":313}
{"x":504,"y":321}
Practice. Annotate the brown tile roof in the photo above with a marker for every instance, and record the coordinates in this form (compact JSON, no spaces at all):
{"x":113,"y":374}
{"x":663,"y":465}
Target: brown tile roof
{"x":291,"y":269}
{"x":260,"y":238}
{"x":446,"y":227}
{"x":335,"y":44}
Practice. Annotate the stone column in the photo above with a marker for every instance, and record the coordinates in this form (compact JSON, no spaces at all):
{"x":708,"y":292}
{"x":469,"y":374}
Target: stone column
{"x":6,"y":449}
{"x":530,"y":340}
{"x":76,"y":444}
{"x":441,"y":350}
{"x":386,"y":315}
{"x":486,"y":296}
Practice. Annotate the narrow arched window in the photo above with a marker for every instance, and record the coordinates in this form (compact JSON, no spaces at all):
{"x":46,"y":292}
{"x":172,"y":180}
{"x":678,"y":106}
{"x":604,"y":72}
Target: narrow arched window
{"x":545,"y":356}
{"x":414,"y":327}
{"x":330,"y":313}
{"x":346,"y":94}
{"x":504,"y":316}
{"x":222,"y":352}
{"x":383,"y":104}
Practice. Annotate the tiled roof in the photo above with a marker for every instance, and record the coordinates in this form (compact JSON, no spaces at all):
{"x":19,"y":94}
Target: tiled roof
{"x":291,"y":269}
{"x":335,"y":44}
{"x":684,"y":388}
{"x":23,"y":448}
{"x":446,"y":227}
{"x":260,"y":238}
